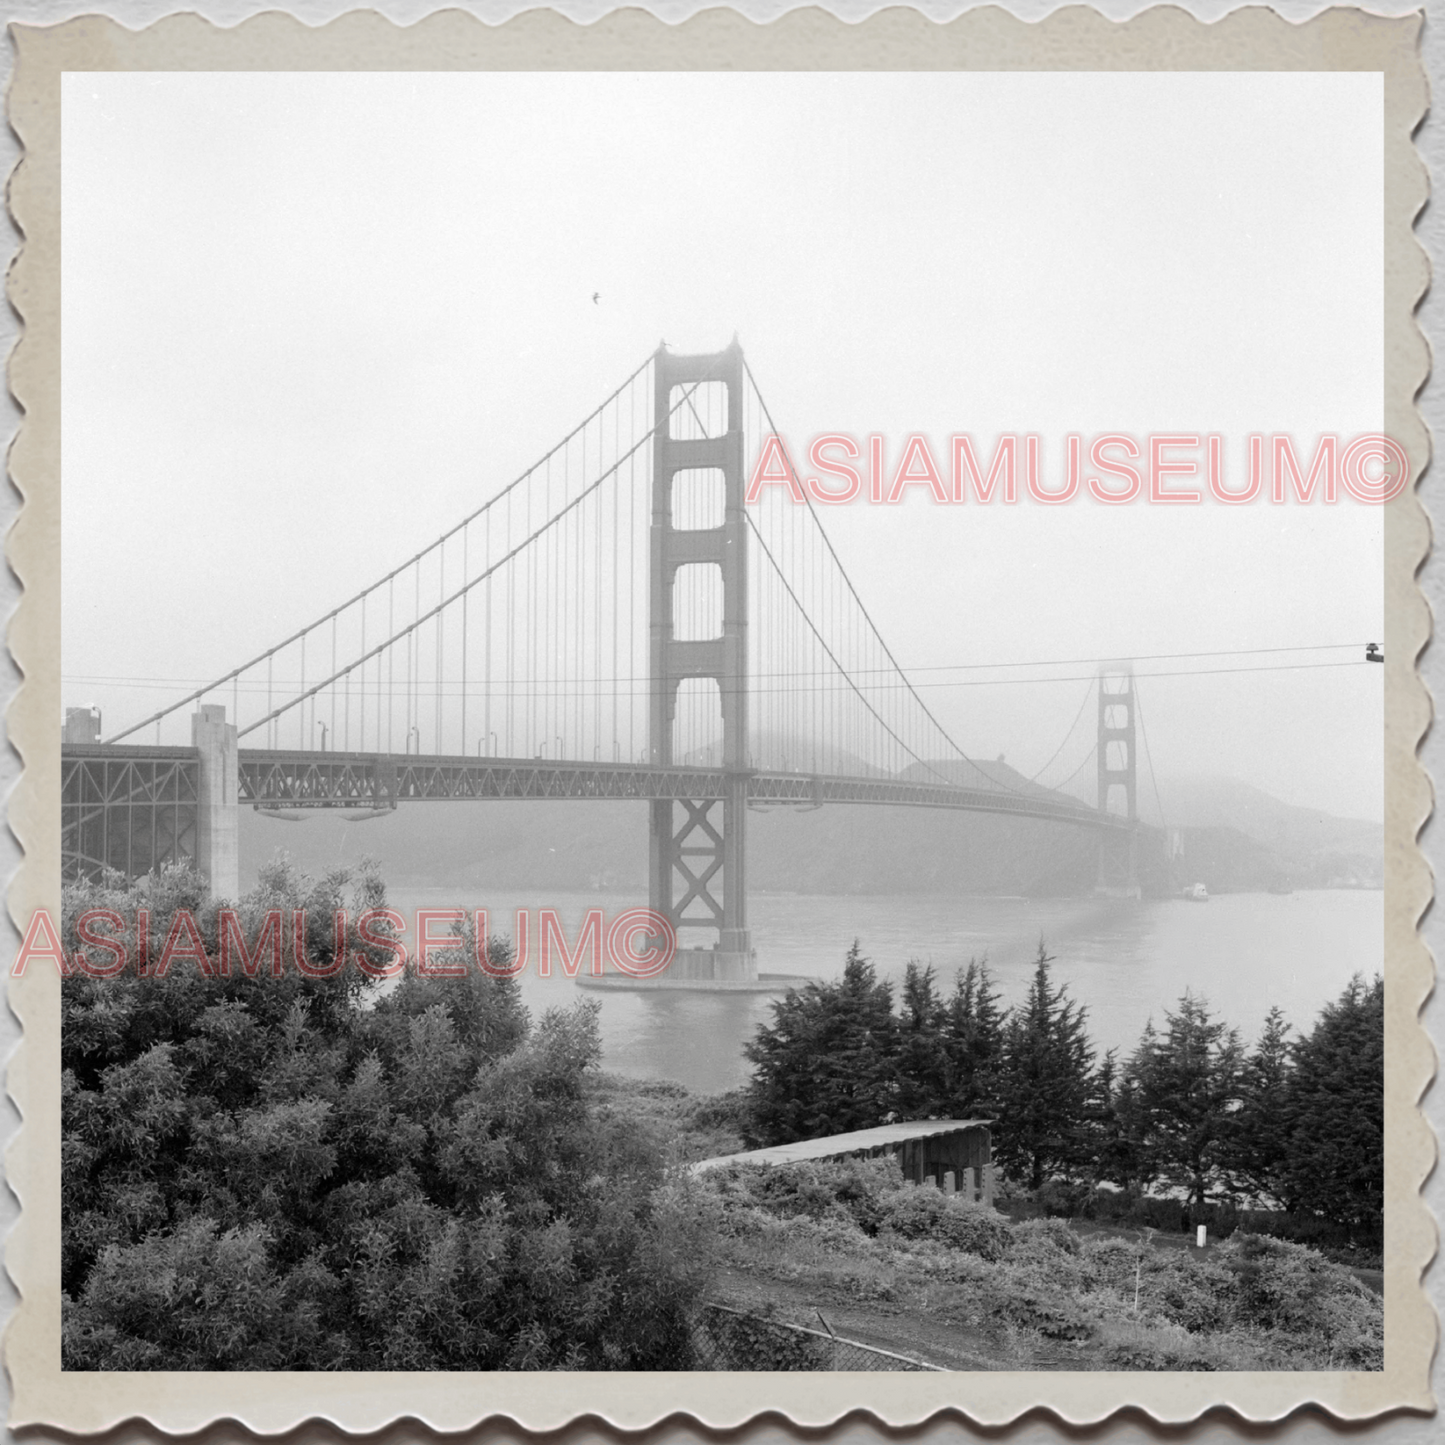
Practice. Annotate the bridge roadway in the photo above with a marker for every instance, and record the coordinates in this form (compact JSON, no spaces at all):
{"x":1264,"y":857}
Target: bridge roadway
{"x":369,"y":780}
{"x":132,"y":807}
{"x":280,"y":778}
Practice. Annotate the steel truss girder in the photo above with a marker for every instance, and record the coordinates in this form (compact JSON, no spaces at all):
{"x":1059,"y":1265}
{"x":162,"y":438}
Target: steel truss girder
{"x":127,"y":808}
{"x":330,"y":780}
{"x":300,"y":779}
{"x":697,"y":876}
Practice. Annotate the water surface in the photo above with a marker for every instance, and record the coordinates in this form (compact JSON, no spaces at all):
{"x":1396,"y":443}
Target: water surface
{"x":1127,"y":961}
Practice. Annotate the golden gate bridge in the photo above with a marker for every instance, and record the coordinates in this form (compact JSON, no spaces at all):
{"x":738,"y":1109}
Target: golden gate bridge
{"x":616,"y":623}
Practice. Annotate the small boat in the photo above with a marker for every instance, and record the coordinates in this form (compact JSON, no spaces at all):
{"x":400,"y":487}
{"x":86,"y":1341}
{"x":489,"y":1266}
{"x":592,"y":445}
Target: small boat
{"x":1196,"y":893}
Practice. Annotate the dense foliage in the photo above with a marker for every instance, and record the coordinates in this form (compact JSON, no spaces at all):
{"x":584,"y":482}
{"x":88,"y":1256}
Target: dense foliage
{"x":1295,"y":1125}
{"x":836,"y":1057}
{"x":832,"y":1049}
{"x":1334,"y":1112}
{"x":1047,"y":1087}
{"x":304,"y":1172}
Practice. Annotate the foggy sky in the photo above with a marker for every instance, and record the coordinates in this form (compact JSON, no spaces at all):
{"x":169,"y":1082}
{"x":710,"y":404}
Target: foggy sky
{"x":312,"y":320}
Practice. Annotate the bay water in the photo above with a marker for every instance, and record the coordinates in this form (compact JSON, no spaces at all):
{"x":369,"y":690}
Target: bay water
{"x":1127,"y":961}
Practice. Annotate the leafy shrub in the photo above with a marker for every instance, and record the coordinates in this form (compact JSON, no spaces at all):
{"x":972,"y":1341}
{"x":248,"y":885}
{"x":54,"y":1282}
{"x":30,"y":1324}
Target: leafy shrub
{"x":1188,"y":1290}
{"x":1047,"y":1233}
{"x":924,"y":1213}
{"x":1040,"y":1305}
{"x":1335,"y":1241}
{"x":852,"y":1189}
{"x":1291,"y":1288}
{"x":1108,"y":1263}
{"x":296,"y":1172}
{"x":728,"y":1112}
{"x":202,"y":1299}
{"x":1154,"y":1345}
{"x":1065,"y":1198}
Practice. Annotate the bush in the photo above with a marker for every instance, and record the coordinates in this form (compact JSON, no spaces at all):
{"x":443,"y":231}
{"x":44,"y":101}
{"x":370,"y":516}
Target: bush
{"x":1040,"y":1305}
{"x":1152,"y":1345}
{"x":1064,"y":1198}
{"x":851,"y":1189}
{"x":1332,"y":1240}
{"x":297,"y":1172}
{"x":1294,"y":1289}
{"x":920,"y":1212}
{"x":1186,"y":1289}
{"x":728,"y":1112}
{"x":1108,"y":1258}
{"x":1031,"y":1235}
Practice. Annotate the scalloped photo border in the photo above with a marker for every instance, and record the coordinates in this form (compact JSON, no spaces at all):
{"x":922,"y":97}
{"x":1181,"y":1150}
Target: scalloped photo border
{"x":1253,"y":39}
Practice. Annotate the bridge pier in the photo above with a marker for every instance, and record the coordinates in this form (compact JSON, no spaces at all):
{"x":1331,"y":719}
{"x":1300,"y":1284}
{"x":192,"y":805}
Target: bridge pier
{"x":704,"y":850}
{"x":1118,"y":875}
{"x":218,"y":815}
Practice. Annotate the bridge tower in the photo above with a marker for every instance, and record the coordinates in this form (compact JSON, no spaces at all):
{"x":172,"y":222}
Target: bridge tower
{"x":696,"y":860}
{"x":1118,"y":773}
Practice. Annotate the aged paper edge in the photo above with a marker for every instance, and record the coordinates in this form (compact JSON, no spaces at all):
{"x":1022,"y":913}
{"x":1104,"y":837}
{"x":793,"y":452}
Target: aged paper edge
{"x":1165,"y":38}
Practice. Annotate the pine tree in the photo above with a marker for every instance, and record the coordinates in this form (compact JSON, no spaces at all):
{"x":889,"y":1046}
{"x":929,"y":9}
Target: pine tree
{"x":1138,"y":1159}
{"x":922,"y":1067}
{"x":972,"y":1042}
{"x":1189,"y":1082}
{"x":828,"y":1062}
{"x":1335,"y":1112}
{"x":1045,"y":1085}
{"x":1118,"y":1149}
{"x":1257,"y":1145}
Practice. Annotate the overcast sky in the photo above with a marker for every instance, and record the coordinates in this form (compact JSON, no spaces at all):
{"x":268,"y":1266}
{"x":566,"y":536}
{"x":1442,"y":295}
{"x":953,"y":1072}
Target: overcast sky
{"x":312,"y":320}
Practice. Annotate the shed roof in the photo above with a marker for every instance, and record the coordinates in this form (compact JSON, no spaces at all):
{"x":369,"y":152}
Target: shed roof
{"x":834,"y":1146}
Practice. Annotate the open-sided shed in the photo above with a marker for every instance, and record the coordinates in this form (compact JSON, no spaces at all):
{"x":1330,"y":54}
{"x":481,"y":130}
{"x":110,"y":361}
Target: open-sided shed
{"x":955,"y":1154}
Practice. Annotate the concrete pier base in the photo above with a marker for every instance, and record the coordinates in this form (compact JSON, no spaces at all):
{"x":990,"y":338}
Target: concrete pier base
{"x":701,"y":970}
{"x":717,"y":964}
{"x":666,"y":983}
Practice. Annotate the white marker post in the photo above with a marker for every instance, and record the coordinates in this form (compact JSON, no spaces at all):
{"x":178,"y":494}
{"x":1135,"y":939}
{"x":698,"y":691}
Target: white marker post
{"x":1200,"y":1235}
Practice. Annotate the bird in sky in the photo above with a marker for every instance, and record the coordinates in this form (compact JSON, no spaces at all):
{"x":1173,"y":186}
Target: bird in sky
{"x":595,"y":295}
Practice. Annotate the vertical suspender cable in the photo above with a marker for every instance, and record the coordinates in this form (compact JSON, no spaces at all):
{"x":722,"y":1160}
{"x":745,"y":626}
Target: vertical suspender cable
{"x":440,"y":644}
{"x":390,"y":671}
{"x":466,"y":598}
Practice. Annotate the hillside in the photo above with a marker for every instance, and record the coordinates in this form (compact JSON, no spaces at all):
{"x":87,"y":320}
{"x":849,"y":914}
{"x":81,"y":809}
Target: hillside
{"x":1236,"y":832}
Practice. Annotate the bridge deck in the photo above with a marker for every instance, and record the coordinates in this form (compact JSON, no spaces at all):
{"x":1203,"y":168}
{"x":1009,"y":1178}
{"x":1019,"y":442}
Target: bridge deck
{"x":280,"y":778}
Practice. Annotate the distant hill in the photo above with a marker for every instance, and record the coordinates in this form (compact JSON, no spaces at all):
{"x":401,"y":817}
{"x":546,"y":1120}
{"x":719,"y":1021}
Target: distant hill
{"x":1208,"y":802}
{"x":1287,"y":846}
{"x":977,"y":773}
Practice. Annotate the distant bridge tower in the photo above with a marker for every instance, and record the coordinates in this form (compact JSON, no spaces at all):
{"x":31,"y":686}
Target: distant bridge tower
{"x":696,"y":863}
{"x":1118,"y":785}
